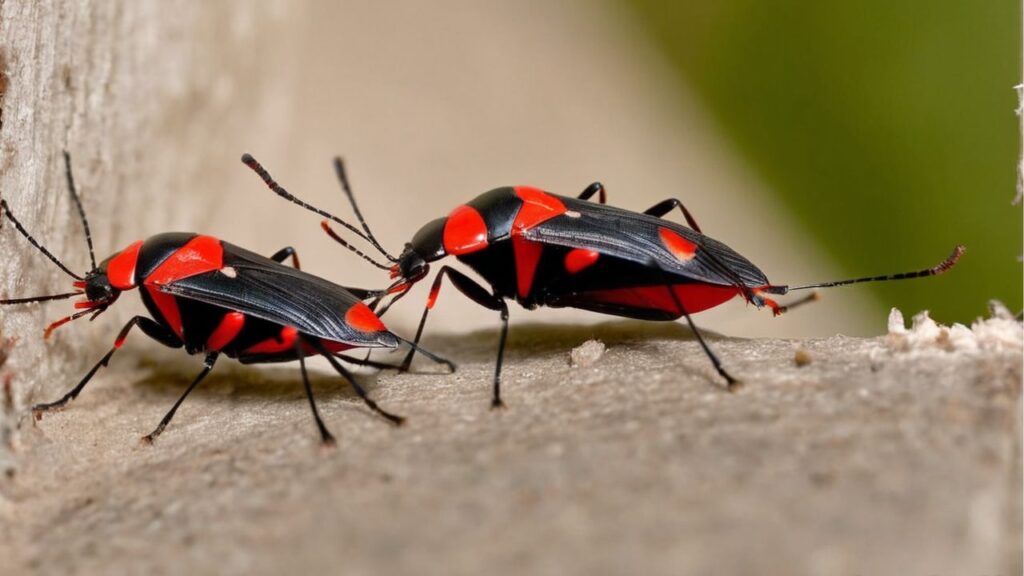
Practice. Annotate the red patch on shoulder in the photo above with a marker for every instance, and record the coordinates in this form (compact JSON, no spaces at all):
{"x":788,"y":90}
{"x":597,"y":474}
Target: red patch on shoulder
{"x":360,"y":317}
{"x":580,"y":259}
{"x":121,"y":268}
{"x":680,"y":247}
{"x":200,"y":254}
{"x":538,"y":207}
{"x":465,"y":231}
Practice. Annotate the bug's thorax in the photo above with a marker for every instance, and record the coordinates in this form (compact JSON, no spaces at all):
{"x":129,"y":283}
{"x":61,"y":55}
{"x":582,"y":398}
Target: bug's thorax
{"x":491,"y":219}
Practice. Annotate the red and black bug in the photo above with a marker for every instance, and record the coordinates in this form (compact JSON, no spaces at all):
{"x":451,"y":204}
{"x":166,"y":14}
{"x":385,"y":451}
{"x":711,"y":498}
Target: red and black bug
{"x":211,"y":297}
{"x":542,"y":249}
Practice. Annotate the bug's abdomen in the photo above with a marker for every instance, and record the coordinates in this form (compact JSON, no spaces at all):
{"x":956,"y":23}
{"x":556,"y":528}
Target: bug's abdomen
{"x":207,"y":328}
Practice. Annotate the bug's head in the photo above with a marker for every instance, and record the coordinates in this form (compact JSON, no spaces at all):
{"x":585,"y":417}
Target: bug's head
{"x":98,"y":290}
{"x":95,"y":285}
{"x":426,"y":246}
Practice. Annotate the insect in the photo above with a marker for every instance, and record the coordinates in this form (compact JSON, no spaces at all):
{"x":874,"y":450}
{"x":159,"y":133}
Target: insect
{"x":542,"y":249}
{"x":214,"y":298}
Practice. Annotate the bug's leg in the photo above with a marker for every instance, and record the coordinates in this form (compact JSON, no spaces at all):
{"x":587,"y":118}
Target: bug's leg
{"x":481,"y":296}
{"x":367,"y":362}
{"x":595,"y":188}
{"x":666,"y":206}
{"x":208,"y":363}
{"x":812,"y":297}
{"x":325,"y":436}
{"x":732,"y":383}
{"x":283,"y":254}
{"x":319,"y":347}
{"x":148,"y":326}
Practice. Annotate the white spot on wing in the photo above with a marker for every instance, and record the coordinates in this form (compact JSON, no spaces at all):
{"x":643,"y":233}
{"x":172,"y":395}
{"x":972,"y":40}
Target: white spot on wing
{"x":229,"y":272}
{"x":572,"y":214}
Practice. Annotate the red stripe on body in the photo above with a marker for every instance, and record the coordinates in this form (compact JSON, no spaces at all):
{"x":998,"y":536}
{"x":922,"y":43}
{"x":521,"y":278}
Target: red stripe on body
{"x":538,"y":207}
{"x":121,"y":268}
{"x":694,"y":297}
{"x":527,"y":255}
{"x":168,"y":306}
{"x":226,"y":331}
{"x":200,"y":254}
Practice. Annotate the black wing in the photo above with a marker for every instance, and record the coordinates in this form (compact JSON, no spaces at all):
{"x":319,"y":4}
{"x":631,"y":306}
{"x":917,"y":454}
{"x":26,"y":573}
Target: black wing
{"x":260,"y":287}
{"x":636,"y":237}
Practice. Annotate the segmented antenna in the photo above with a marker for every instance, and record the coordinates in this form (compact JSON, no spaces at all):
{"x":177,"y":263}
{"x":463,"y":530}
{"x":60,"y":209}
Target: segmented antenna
{"x":933,"y":271}
{"x":40,"y":247}
{"x":78,"y":204}
{"x":256,"y":167}
{"x":330,"y":232}
{"x":41,"y":298}
{"x":339,"y":169}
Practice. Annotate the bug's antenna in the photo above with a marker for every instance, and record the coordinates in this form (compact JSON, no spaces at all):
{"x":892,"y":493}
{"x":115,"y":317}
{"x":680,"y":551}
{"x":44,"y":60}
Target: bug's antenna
{"x":64,"y":296}
{"x":256,"y":167}
{"x":330,"y":232}
{"x":933,"y":271}
{"x":339,"y":169}
{"x":78,"y":204}
{"x":40,"y":247}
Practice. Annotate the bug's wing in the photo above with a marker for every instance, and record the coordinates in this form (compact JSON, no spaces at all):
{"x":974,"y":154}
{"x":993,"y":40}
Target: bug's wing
{"x":260,"y":287}
{"x":636,"y":237}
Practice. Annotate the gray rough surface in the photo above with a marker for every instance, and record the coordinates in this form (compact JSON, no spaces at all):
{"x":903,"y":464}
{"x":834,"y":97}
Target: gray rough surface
{"x":127,"y":88}
{"x":866,"y":461}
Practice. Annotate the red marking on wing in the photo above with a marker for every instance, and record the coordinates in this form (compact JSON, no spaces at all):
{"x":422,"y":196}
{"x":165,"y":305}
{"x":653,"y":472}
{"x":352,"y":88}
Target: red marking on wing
{"x":465,"y":231}
{"x":694,"y":297}
{"x":168,"y":306}
{"x":680,"y":247}
{"x":580,"y":259}
{"x":200,"y":254}
{"x":360,"y":317}
{"x":283,"y":342}
{"x":538,"y":206}
{"x":230,"y":325}
{"x":527,"y":255}
{"x":121,"y":268}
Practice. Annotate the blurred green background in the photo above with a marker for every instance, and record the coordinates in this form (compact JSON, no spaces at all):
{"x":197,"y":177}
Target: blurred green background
{"x":887,"y":128}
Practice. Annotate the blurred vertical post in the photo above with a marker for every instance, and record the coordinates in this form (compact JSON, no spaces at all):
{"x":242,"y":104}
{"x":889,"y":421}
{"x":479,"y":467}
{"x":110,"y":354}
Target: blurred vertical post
{"x":136,"y":92}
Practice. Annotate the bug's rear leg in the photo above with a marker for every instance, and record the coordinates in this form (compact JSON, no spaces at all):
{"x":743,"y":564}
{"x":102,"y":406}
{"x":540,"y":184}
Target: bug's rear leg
{"x":325,"y":435}
{"x":319,"y":347}
{"x":283,"y":254}
{"x":595,"y":188}
{"x":732,"y":384}
{"x":666,"y":206}
{"x":481,"y":296}
{"x":208,"y":363}
{"x":148,"y":327}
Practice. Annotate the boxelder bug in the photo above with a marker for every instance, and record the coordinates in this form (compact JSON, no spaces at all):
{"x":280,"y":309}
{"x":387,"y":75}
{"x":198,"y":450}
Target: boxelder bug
{"x":542,"y":249}
{"x":214,"y":298}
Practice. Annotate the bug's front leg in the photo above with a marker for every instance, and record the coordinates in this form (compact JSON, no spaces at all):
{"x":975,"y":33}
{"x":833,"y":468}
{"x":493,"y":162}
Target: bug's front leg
{"x":481,"y":296}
